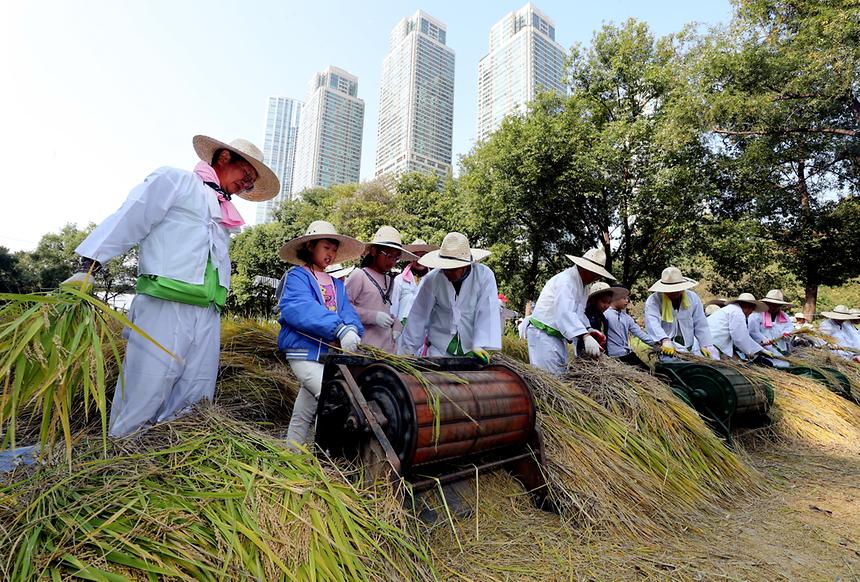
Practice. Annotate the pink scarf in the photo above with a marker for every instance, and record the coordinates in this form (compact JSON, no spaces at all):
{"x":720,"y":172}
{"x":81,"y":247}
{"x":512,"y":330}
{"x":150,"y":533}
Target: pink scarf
{"x":768,"y":320}
{"x":230,"y":216}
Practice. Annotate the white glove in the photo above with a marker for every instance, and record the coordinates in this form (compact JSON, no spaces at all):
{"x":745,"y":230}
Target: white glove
{"x":384,"y":319}
{"x":592,"y":348}
{"x":349,"y":342}
{"x":82,"y":279}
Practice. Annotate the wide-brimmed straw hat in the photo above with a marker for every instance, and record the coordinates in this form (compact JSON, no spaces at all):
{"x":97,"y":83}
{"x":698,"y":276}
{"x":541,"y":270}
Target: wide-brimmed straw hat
{"x":594,"y":261}
{"x":599,"y":288}
{"x":347,"y":250}
{"x":799,"y":315}
{"x":718,"y":301}
{"x":712,"y":309}
{"x":775,"y":297}
{"x":338,"y":271}
{"x":267,"y":185}
{"x":455,"y":252}
{"x":840,"y":313}
{"x":672,"y":280}
{"x":749,"y":298}
{"x":419,"y":245}
{"x":388,"y":236}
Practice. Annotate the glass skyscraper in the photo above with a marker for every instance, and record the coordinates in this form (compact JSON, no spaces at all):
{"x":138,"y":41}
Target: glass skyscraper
{"x":524,"y":59}
{"x":328,"y":150}
{"x":279,"y":149}
{"x":416,"y":99}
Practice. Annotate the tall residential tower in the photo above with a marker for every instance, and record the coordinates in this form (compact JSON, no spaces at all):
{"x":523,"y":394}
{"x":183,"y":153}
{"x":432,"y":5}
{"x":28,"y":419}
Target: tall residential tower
{"x":523,"y":60}
{"x":279,"y":149}
{"x":416,"y":99}
{"x":329,"y":145}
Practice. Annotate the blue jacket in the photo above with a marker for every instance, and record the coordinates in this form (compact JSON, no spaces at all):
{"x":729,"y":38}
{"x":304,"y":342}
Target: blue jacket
{"x":306,"y":325}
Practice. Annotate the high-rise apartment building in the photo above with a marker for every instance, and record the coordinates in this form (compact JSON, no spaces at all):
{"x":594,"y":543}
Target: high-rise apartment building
{"x":329,"y":146}
{"x":416,"y":99}
{"x":279,"y":149}
{"x":524,"y":59}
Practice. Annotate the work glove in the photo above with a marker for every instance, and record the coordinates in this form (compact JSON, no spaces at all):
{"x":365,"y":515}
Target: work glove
{"x":710,"y":352}
{"x":667,"y":347}
{"x":601,"y":339}
{"x":481,"y":354}
{"x":82,"y":280}
{"x":766,"y":354}
{"x":384,"y":319}
{"x":349,"y":342}
{"x":787,"y":335}
{"x":592,"y":348}
{"x":856,"y":359}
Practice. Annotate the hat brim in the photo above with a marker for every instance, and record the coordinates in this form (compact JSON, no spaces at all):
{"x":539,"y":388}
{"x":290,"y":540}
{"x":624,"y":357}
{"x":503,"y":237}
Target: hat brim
{"x":421,"y":248}
{"x":616,"y":292}
{"x":405,"y":254}
{"x":838,"y":316}
{"x":717,"y":302}
{"x":267,"y":185}
{"x":759,"y":305}
{"x":434,"y":261}
{"x":776,"y":302}
{"x":661,"y":287}
{"x":348,"y":248}
{"x":589,"y":266}
{"x":343,"y":272}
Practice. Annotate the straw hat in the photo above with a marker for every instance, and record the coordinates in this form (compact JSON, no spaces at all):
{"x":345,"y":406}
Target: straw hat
{"x":455,"y":252}
{"x":338,"y":271}
{"x":672,"y":280}
{"x":775,"y":297}
{"x":419,"y":245}
{"x":718,"y":301}
{"x":267,"y":185}
{"x":799,"y":315}
{"x":348,"y":249}
{"x":388,"y":236}
{"x":749,"y":298}
{"x":711,"y":309}
{"x":599,"y":288}
{"x":594,"y":261}
{"x":840,"y":313}
{"x":854,"y":311}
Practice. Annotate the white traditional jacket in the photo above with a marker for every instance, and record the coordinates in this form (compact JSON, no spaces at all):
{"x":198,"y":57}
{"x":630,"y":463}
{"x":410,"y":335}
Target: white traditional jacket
{"x":844,"y":334}
{"x":690,"y":323}
{"x":403,"y":294}
{"x":760,"y":333}
{"x":730,"y":331}
{"x":439,"y":314}
{"x":176,"y":219}
{"x":561,"y":304}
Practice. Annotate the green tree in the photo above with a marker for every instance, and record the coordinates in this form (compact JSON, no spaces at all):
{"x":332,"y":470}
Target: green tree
{"x":12,"y":277}
{"x":254,"y":253}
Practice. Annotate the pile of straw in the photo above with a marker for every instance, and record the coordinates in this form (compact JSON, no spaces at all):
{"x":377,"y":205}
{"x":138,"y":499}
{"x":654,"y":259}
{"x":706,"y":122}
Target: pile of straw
{"x":205,"y":497}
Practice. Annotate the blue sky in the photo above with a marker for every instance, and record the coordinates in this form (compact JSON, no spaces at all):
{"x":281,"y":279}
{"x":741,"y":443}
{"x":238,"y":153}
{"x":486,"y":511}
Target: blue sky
{"x":97,"y":93}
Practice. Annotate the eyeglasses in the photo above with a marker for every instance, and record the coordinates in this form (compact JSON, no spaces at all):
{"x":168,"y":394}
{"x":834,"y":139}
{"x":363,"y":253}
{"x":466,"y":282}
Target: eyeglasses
{"x":249,"y":178}
{"x":389,"y":255}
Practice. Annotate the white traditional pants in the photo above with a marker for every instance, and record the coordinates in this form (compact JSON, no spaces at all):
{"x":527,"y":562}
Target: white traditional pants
{"x":547,"y":352}
{"x":155,"y":387}
{"x":309,"y":375}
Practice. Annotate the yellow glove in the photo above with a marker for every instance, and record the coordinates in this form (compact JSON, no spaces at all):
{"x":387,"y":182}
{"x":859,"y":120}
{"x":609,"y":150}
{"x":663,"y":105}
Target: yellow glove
{"x":481,"y":354}
{"x":667,"y":347}
{"x":706,"y":352}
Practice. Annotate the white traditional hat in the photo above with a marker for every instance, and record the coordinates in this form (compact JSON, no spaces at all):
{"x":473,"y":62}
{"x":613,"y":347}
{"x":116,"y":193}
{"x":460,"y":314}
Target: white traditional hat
{"x":840,"y":313}
{"x":749,"y":298}
{"x":594,"y":261}
{"x":672,"y":280}
{"x":454,"y":253}
{"x":420,"y":245}
{"x":775,"y":297}
{"x":348,"y":249}
{"x":601,"y":287}
{"x":267,"y":185}
{"x":388,"y":236}
{"x":338,"y":271}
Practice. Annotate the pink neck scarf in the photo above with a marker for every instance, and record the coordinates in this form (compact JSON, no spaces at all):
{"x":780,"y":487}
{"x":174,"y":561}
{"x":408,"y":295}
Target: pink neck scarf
{"x":780,"y":318}
{"x":230,"y":216}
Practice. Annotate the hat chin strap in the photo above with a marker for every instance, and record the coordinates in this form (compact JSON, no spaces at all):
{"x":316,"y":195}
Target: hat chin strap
{"x":450,"y":258}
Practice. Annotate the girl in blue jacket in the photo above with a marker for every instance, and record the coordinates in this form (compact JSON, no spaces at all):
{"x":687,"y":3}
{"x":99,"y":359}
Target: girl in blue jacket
{"x":315,"y":314}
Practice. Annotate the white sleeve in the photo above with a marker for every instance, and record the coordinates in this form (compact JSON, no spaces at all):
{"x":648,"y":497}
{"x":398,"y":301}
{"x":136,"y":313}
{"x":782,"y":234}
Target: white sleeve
{"x":740,"y":334}
{"x":569,"y":315}
{"x":146,"y":206}
{"x":653,"y":319}
{"x":701,"y":329}
{"x":754,"y":326}
{"x":488,"y":322}
{"x":412,"y":338}
{"x":397,"y":286}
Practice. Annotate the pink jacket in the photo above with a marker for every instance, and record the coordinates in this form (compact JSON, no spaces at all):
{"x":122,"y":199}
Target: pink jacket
{"x":367,"y":300}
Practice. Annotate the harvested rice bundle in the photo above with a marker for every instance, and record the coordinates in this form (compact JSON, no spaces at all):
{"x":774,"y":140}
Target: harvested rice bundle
{"x":204,"y":498}
{"x":823,"y":361}
{"x":606,"y":475}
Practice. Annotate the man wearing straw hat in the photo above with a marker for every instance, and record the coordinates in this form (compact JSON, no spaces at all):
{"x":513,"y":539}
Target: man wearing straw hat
{"x":406,"y":283}
{"x":559,"y":317}
{"x":182,"y":221}
{"x":730,"y":330}
{"x":674,"y":316}
{"x":838,"y":325}
{"x":773,"y":326}
{"x":370,"y":288}
{"x":456,"y":310}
